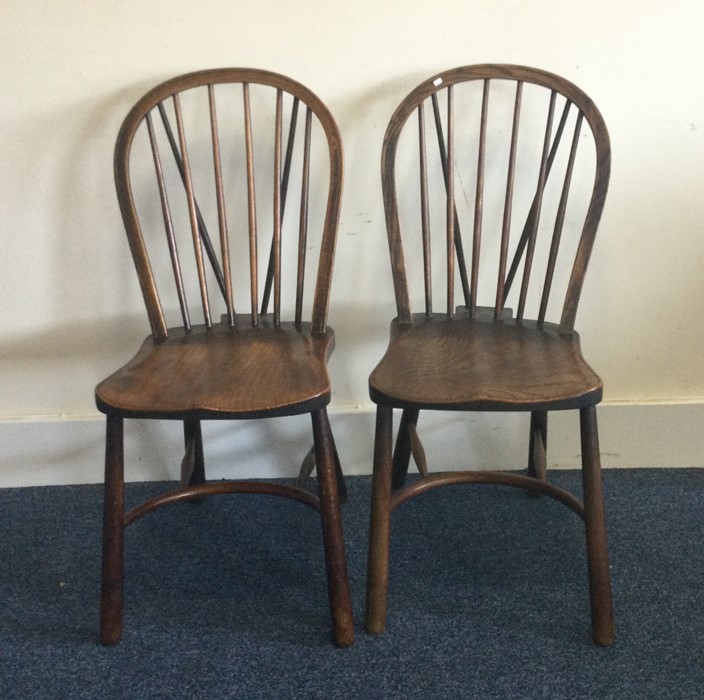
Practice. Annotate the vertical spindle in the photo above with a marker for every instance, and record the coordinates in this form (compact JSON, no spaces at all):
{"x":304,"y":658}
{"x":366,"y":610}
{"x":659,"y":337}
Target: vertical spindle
{"x":222,"y":214}
{"x":303,"y":218}
{"x":508,"y":202}
{"x":251,"y":207}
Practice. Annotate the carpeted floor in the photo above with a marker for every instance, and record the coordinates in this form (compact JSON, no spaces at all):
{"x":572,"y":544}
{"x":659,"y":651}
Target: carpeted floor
{"x":227,"y":599}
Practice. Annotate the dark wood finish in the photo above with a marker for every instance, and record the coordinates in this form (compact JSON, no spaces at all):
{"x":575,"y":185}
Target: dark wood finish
{"x":501,"y":478}
{"x":335,"y":561}
{"x":404,"y":446}
{"x":538,"y":445}
{"x":308,"y":467}
{"x":532,"y":197}
{"x":464,"y":364}
{"x":380,"y":524}
{"x":193,"y":466}
{"x":113,"y":534}
{"x":198,"y":155}
{"x":243,"y":372}
{"x":603,"y":629}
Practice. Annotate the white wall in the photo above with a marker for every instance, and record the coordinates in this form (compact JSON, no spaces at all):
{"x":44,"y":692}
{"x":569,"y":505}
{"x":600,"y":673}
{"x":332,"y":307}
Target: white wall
{"x":69,"y":303}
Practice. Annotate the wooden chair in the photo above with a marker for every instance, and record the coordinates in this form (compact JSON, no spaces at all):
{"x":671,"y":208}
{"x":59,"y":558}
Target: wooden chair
{"x":497,"y":181}
{"x":210,"y":167}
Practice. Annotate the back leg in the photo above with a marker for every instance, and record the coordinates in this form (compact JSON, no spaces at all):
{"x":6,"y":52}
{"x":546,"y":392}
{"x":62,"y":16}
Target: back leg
{"x":308,"y":466}
{"x":193,"y":464}
{"x":333,"y":537}
{"x":537,"y":450}
{"x":405,"y":446}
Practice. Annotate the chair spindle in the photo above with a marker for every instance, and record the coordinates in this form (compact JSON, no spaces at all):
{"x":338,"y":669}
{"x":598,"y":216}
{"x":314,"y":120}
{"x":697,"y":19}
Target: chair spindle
{"x":266,"y":294}
{"x":520,"y":248}
{"x":303,"y":217}
{"x":560,"y":220}
{"x":251,"y":206}
{"x":458,"y":235}
{"x":425,"y":213}
{"x":508,"y":204}
{"x":197,"y":246}
{"x":542,"y":177}
{"x":222,"y":214}
{"x":202,"y":229}
{"x":276,"y":243}
{"x":168,"y":224}
{"x":450,"y":211}
{"x":479,"y":202}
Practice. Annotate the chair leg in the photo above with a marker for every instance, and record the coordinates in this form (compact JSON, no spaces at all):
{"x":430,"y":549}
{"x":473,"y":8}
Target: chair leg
{"x":403,"y":449}
{"x":308,"y":466}
{"x":113,"y":534}
{"x":193,"y":467}
{"x":595,"y":523}
{"x":380,"y":524}
{"x":339,"y":476}
{"x":537,"y":451}
{"x":333,"y":537}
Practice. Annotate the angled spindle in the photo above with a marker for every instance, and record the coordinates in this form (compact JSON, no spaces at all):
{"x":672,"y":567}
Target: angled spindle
{"x":542,"y":177}
{"x":202,"y":229}
{"x":266,"y":294}
{"x":523,"y":240}
{"x":168,"y":224}
{"x":222,"y":214}
{"x":458,"y":234}
{"x":560,"y":220}
{"x":190,"y":198}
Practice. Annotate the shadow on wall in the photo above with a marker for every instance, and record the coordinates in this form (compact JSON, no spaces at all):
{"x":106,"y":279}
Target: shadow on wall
{"x":55,"y":434}
{"x":361,"y":336}
{"x":64,"y":243}
{"x":52,"y":372}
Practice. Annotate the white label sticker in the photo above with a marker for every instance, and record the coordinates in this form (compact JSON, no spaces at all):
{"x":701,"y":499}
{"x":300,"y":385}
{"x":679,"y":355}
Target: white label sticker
{"x":437,"y":81}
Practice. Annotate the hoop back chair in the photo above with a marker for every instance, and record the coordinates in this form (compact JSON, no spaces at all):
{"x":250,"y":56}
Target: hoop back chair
{"x":229,"y":184}
{"x":494,"y":179}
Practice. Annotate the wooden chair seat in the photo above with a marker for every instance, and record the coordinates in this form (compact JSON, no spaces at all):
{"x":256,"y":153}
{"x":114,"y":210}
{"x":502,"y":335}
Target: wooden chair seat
{"x":462,"y":364}
{"x":223,"y":373}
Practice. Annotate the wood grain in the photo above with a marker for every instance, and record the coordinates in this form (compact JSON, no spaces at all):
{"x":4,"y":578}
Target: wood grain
{"x":461,"y":364}
{"x":223,"y":373}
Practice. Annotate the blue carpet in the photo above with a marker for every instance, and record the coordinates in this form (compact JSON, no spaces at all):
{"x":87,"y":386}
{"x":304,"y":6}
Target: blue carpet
{"x":227,"y":599}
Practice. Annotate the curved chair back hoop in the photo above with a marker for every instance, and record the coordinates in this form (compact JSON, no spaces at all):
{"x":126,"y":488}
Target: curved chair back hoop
{"x":243,"y":179}
{"x":487,"y":188}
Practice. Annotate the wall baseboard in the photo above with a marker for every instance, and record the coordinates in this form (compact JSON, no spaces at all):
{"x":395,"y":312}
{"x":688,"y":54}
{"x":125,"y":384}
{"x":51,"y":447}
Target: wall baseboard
{"x":70,"y":451}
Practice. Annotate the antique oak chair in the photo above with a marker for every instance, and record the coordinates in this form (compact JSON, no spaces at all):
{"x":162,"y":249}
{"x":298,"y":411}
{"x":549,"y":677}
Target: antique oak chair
{"x":229,"y":183}
{"x":501,"y":172}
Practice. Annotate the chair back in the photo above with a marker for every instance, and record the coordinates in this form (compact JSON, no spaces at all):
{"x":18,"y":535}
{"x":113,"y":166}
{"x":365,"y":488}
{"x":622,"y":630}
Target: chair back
{"x":229,"y":183}
{"x":494,"y":179}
